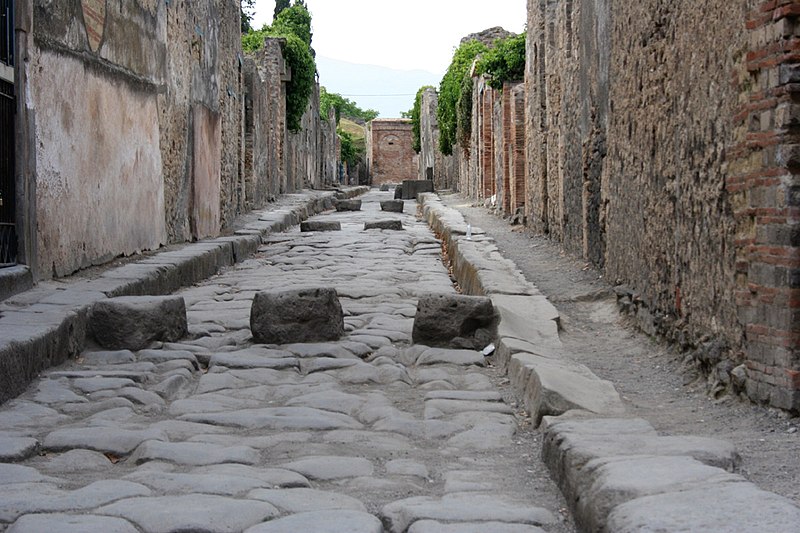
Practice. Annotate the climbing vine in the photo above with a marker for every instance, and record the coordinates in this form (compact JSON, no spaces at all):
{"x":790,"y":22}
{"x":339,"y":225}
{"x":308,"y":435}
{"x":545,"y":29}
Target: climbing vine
{"x":505,"y":61}
{"x":294,"y":25}
{"x":455,"y":96}
{"x":414,"y":115}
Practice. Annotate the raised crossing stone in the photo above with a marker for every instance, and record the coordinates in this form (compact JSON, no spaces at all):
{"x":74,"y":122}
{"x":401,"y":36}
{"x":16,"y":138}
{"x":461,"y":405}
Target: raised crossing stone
{"x":412,"y":188}
{"x":392,"y":225}
{"x":322,"y":522}
{"x":192,"y":512}
{"x":306,"y":315}
{"x":392,"y":206}
{"x":453,"y":320}
{"x":348,"y":205}
{"x":319,"y":225}
{"x":133,"y":322}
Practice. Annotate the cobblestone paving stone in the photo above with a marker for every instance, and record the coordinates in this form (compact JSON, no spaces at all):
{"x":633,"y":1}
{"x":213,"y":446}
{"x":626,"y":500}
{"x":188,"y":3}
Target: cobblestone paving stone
{"x":215,"y":433}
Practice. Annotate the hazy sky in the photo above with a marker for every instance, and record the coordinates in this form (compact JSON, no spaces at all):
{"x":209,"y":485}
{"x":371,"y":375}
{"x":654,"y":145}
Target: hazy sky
{"x":398,"y":34}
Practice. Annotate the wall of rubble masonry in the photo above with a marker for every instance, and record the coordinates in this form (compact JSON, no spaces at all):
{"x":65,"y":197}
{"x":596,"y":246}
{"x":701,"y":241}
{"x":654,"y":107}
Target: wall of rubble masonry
{"x":664,"y":148}
{"x":143,"y":124}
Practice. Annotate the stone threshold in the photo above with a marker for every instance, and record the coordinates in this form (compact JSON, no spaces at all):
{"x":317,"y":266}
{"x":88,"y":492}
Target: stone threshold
{"x":46,"y":325}
{"x":615,"y":471}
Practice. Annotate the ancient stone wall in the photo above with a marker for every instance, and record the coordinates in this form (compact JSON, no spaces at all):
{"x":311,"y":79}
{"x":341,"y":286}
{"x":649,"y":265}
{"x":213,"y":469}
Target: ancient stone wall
{"x":654,"y":153}
{"x":165,"y":134}
{"x":433,"y":164}
{"x":390,"y":151}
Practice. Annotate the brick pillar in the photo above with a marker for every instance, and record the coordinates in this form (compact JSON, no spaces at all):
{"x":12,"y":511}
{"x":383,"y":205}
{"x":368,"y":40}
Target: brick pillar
{"x":764,"y":183}
{"x":517,"y":124}
{"x":487,"y":148}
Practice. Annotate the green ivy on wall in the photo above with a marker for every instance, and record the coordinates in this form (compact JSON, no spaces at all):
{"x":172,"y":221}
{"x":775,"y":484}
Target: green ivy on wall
{"x":505,"y":61}
{"x":454,"y":97}
{"x":294,"y":25}
{"x":414,"y":115}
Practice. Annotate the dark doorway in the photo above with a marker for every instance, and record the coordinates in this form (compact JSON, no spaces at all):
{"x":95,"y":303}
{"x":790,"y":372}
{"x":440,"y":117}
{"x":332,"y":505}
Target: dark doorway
{"x":8,"y":234}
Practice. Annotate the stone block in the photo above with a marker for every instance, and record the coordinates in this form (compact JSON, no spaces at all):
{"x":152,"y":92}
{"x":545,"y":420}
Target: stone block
{"x":348,"y":205}
{"x":393,"y":225}
{"x":306,"y":315}
{"x":411,"y":188}
{"x":398,"y":193}
{"x":318,"y":225}
{"x":393,"y":206}
{"x":453,"y":320}
{"x":133,"y":322}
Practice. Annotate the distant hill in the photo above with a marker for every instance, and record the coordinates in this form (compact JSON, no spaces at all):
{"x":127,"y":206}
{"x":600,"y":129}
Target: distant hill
{"x":351,"y":80}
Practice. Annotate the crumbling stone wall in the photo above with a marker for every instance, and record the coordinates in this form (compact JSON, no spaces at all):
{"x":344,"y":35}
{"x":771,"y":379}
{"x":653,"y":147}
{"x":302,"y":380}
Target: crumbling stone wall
{"x":144,"y":124}
{"x":390,"y":151}
{"x":433,"y":164}
{"x":656,"y":143}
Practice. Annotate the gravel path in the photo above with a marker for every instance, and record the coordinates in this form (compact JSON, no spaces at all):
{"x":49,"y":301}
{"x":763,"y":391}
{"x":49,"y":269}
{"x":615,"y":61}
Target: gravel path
{"x":650,"y":376}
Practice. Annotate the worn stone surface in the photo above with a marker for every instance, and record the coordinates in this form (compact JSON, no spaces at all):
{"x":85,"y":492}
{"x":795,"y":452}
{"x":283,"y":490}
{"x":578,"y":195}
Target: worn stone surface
{"x":133,"y":322}
{"x":307,"y":315}
{"x":34,"y":523}
{"x":454,"y":321}
{"x":318,"y":225}
{"x":322,"y":522}
{"x":392,"y":206}
{"x":393,"y":225}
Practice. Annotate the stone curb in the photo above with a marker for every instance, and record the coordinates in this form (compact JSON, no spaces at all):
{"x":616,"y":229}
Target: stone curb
{"x":617,"y":474}
{"x":528,"y":346}
{"x":46,"y":325}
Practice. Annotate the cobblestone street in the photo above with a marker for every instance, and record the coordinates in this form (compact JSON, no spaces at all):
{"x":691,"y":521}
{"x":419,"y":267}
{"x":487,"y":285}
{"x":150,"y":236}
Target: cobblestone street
{"x":215,"y":433}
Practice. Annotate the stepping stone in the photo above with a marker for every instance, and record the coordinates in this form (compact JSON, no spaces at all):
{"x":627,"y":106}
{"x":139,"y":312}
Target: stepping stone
{"x":100,"y":439}
{"x":193,"y":512}
{"x":392,"y":206}
{"x":322,"y":522}
{"x":306,"y":315}
{"x":305,"y":500}
{"x":133,"y":322}
{"x":64,"y":523}
{"x":326,"y":468}
{"x":400,"y":515}
{"x":454,"y":321}
{"x":318,"y":225}
{"x":348,"y":205}
{"x":392,"y":225}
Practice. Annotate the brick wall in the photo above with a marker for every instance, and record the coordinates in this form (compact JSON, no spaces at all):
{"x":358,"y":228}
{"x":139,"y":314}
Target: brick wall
{"x":390,"y":151}
{"x":444,"y":168}
{"x":765,"y":190}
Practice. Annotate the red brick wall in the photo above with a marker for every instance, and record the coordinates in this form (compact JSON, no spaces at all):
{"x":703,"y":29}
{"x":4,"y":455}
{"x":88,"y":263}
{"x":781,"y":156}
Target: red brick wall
{"x":765,"y":187}
{"x":391,"y":155}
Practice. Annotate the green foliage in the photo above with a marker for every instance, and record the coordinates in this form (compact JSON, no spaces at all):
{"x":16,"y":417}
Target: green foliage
{"x":350,"y":153}
{"x":280,"y":5}
{"x":344,"y":107}
{"x":504,"y":62}
{"x":246,"y":8}
{"x":414,"y":115}
{"x":294,"y":25}
{"x":452,"y":89}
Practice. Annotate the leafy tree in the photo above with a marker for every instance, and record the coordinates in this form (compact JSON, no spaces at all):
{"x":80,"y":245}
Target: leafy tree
{"x":247,"y":7}
{"x":504,"y":62}
{"x":280,"y":5}
{"x":414,"y":115}
{"x":350,"y":153}
{"x":294,"y":25}
{"x":452,"y":89}
{"x":344,"y":107}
